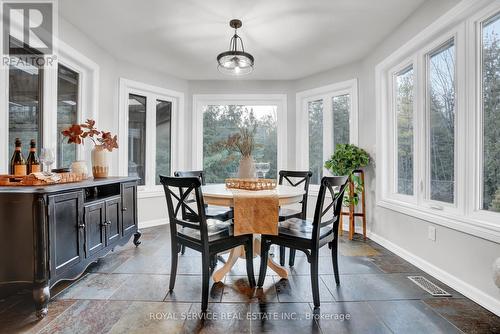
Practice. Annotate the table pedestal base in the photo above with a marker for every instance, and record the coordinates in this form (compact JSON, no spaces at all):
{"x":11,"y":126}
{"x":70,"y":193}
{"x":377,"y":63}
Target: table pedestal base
{"x":239,"y":252}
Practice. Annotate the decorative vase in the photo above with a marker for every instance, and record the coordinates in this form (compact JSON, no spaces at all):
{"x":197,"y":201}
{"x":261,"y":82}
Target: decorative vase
{"x":80,"y":167}
{"x":100,"y":165}
{"x":247,"y":168}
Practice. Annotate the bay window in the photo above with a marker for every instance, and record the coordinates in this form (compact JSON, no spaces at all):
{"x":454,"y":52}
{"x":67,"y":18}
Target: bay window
{"x":438,"y":113}
{"x":326,"y":117}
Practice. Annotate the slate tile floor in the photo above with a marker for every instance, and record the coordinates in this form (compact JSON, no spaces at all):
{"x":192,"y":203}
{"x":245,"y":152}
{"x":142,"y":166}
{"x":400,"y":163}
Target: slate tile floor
{"x":126,"y":292}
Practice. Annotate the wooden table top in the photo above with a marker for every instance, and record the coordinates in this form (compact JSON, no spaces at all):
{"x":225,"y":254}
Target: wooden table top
{"x":218,"y":194}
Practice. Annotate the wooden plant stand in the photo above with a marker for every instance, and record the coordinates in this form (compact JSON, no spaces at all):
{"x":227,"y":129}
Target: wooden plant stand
{"x":351,"y":213}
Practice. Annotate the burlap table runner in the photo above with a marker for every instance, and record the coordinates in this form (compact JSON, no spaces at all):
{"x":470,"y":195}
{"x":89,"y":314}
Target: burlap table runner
{"x":255,"y":212}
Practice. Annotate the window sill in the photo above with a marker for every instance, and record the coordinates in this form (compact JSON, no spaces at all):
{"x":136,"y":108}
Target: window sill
{"x":478,"y":228}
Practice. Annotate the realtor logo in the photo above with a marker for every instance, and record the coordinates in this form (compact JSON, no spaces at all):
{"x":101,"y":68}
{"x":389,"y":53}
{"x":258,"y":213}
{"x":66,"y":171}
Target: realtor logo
{"x":28,"y":28}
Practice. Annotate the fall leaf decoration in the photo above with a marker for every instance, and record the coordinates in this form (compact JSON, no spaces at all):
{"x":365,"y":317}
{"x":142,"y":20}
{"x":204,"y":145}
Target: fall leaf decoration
{"x":74,"y":134}
{"x":77,"y":132}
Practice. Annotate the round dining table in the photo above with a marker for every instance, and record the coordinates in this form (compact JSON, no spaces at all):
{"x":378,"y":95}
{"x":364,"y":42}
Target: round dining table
{"x":218,"y":194}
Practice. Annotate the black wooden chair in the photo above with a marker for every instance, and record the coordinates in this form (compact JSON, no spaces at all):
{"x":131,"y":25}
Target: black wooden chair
{"x":309,"y":237}
{"x":208,"y":237}
{"x":211,"y":211}
{"x":295,"y":179}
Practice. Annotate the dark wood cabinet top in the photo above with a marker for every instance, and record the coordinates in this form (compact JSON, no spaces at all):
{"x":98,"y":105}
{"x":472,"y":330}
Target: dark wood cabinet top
{"x":53,"y":188}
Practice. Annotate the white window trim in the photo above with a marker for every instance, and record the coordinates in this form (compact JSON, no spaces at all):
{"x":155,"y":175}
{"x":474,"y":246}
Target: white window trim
{"x":201,"y":100}
{"x":302,"y":116}
{"x":462,"y":23}
{"x":88,"y":72}
{"x":152,"y":93}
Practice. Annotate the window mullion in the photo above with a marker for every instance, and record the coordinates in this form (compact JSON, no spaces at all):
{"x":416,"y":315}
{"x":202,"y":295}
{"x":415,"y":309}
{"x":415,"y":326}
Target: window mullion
{"x":420,"y":121}
{"x":327,"y":130}
{"x":150,"y":140}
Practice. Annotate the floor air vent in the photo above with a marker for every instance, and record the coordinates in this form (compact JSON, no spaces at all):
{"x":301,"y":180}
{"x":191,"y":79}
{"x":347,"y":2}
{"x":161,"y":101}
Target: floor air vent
{"x":428,"y":286}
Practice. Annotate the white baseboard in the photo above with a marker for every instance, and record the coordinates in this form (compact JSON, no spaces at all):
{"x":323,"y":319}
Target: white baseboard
{"x":154,"y":222}
{"x":462,"y":287}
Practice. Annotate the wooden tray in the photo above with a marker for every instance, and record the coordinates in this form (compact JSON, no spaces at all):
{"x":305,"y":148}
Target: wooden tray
{"x":251,"y":184}
{"x":31,"y":180}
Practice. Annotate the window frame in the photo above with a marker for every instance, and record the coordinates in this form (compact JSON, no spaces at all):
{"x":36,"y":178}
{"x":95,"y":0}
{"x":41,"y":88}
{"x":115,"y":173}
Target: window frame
{"x":88,"y":72}
{"x":463,"y":24}
{"x":152,"y":94}
{"x":201,"y":100}
{"x":326,"y":93}
{"x":393,"y":165}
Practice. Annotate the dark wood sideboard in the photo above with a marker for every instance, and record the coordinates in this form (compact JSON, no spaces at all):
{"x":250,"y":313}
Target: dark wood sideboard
{"x":52,"y":233}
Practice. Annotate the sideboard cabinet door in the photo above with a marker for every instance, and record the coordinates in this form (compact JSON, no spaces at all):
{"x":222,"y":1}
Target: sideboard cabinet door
{"x":65,"y":231}
{"x":95,"y":226}
{"x":113,"y":219}
{"x":129,"y":204}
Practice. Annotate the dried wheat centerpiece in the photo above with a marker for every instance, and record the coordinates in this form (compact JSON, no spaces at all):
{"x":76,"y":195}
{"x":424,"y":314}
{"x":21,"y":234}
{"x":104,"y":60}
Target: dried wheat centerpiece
{"x":250,"y":184}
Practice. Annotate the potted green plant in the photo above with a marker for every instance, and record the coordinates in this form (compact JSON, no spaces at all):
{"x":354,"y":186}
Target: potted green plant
{"x":344,"y":161}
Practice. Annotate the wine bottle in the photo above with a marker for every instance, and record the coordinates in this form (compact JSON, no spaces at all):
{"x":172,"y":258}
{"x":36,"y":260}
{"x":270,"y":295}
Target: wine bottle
{"x":32,"y":162}
{"x":17,"y":163}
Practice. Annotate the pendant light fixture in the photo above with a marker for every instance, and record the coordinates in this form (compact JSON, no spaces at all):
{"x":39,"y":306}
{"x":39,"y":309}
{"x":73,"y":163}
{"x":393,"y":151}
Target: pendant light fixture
{"x":234,"y":61}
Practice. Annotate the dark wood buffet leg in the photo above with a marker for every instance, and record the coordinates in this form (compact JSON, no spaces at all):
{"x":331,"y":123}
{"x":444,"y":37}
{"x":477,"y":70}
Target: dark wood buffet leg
{"x":41,"y":297}
{"x":137,"y":236}
{"x":41,"y":291}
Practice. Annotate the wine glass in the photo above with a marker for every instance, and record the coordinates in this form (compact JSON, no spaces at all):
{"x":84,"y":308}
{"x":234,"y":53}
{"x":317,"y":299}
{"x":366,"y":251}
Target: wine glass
{"x":262,"y":168}
{"x":266,"y":167}
{"x":47,"y":159}
{"x":258,"y":169}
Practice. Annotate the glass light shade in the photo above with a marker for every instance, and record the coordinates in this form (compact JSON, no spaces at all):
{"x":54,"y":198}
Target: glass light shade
{"x":235,"y":62}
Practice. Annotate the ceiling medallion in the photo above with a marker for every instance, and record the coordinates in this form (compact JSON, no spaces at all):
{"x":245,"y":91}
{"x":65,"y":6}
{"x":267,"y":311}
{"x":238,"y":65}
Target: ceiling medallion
{"x":235,"y":62}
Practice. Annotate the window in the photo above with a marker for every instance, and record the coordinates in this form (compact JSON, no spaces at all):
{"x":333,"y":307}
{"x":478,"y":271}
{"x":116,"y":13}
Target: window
{"x":68,"y":85}
{"x":147,"y":133}
{"x":341,"y":106}
{"x":163,"y":138}
{"x":438,"y":156}
{"x":315,"y":110}
{"x":331,"y":116}
{"x":490,"y":62}
{"x":137,"y":137}
{"x":404,"y":122}
{"x":441,"y":105}
{"x":39,"y":101}
{"x":222,"y":121}
{"x":25,"y":106}
{"x":219,"y":116}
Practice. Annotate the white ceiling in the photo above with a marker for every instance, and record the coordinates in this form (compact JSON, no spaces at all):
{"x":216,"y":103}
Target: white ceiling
{"x":289,"y":39}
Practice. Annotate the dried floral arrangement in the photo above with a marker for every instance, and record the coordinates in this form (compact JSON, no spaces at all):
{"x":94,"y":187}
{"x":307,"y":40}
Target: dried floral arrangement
{"x":242,"y":141}
{"x":76,"y":133}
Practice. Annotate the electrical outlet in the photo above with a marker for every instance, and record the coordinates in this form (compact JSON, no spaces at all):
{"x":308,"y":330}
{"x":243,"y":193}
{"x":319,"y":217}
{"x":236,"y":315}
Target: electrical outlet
{"x":431,"y":233}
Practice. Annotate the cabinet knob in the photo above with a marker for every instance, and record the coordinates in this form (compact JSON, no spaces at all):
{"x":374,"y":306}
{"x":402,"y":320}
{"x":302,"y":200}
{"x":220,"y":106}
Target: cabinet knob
{"x":81,"y":225}
{"x":124,"y":209}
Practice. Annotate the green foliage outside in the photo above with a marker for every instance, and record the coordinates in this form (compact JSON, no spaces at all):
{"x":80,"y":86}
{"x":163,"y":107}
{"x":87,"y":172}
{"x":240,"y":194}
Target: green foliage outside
{"x":491,"y":116}
{"x":223,"y":121}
